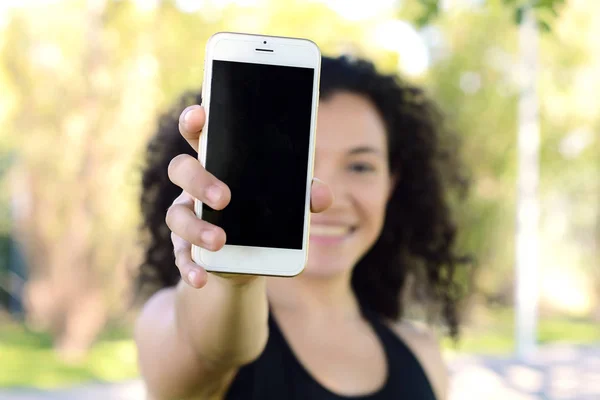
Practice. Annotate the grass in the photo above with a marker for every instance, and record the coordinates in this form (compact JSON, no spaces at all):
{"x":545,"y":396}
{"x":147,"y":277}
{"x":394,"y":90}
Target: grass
{"x":28,"y":360}
{"x":495,"y":336}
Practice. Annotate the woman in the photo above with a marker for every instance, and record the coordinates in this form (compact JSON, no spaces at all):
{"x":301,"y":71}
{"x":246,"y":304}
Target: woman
{"x":334,"y":332}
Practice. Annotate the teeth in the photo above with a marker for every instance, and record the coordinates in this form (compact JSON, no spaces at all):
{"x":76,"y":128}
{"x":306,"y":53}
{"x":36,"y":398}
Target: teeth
{"x":328,"y":230}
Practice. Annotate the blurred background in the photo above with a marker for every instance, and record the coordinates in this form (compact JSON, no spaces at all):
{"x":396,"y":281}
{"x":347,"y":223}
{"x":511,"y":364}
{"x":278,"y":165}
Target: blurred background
{"x":83,"y":82}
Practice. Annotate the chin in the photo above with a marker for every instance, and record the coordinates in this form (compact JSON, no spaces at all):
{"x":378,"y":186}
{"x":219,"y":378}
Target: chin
{"x":323,"y":268}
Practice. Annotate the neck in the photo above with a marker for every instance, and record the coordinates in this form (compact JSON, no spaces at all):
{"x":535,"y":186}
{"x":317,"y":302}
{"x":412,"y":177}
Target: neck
{"x":314,"y":297}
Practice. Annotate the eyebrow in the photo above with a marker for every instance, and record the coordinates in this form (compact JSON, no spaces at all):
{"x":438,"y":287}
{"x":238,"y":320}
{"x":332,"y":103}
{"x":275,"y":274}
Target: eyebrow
{"x":364,"y":149}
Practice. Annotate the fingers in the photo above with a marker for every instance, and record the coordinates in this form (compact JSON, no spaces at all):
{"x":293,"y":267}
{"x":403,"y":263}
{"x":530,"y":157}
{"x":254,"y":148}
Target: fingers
{"x":191,"y":122}
{"x":182,"y":221}
{"x":186,"y":172}
{"x":321,"y":196}
{"x":191,"y":273}
{"x":186,"y":229}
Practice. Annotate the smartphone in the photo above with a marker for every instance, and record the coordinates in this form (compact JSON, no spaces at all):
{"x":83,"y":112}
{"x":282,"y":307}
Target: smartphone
{"x":261,"y":96}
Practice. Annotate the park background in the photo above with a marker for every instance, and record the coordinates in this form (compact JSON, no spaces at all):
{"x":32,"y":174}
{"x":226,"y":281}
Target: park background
{"x":82,"y":84}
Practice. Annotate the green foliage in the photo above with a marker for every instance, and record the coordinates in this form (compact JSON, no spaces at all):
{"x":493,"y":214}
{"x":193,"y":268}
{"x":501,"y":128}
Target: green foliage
{"x":476,"y":81}
{"x":29,"y":360}
{"x":479,"y":99}
{"x":493,"y":333}
{"x":545,"y":11}
{"x":430,"y":10}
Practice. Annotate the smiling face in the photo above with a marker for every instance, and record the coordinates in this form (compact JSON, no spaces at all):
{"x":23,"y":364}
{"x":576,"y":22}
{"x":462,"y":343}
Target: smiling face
{"x":352,"y":158}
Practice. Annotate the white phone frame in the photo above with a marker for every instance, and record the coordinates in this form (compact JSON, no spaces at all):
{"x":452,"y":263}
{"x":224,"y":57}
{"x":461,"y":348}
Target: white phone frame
{"x":295,"y":52}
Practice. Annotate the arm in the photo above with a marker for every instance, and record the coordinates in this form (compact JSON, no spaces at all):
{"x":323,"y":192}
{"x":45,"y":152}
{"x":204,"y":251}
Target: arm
{"x":191,"y":339}
{"x":191,"y":342}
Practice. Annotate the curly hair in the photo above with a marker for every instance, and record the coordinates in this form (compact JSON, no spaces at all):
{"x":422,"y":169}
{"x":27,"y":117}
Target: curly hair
{"x":419,"y":234}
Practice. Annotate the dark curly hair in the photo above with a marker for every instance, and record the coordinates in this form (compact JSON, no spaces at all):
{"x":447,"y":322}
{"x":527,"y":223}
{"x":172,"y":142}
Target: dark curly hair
{"x":418,"y":236}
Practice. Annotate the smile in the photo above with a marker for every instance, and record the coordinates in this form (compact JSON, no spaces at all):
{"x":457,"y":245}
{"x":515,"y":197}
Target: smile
{"x":330,"y":234}
{"x":329,"y":230}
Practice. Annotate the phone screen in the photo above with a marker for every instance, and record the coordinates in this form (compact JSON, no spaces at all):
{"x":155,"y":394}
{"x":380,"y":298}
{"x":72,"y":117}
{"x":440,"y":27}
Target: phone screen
{"x":258,"y":144}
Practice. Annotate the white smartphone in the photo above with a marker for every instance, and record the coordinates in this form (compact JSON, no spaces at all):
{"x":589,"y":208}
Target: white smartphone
{"x":261,"y":96}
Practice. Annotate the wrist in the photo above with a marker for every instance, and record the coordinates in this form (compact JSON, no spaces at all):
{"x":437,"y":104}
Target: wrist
{"x":236,"y":280}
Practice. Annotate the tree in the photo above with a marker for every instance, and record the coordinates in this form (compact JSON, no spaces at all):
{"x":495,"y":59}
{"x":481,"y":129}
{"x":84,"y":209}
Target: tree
{"x":75,"y":90}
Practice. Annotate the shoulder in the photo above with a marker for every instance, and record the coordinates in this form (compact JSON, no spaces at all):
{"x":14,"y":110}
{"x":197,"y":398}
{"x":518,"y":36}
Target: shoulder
{"x":424,"y":344}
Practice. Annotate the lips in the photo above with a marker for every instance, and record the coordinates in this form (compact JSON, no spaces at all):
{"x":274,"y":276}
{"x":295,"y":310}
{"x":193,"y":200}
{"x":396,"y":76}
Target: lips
{"x":330,"y":233}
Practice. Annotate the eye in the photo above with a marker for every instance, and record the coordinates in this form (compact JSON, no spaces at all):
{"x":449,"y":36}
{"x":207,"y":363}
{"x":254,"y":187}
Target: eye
{"x":361,"y":167}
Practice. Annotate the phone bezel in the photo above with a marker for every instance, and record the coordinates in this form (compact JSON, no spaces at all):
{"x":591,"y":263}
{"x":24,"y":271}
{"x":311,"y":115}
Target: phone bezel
{"x":240,"y":47}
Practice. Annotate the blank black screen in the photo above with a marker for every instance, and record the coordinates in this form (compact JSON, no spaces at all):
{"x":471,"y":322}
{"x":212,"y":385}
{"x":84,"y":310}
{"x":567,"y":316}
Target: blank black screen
{"x":258,"y":142}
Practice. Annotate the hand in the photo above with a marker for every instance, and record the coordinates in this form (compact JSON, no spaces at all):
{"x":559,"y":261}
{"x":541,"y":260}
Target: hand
{"x":196,"y":183}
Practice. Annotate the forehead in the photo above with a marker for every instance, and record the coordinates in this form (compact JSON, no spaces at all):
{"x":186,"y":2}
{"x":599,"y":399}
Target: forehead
{"x":348,"y":120}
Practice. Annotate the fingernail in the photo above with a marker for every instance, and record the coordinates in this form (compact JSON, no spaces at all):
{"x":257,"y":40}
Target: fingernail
{"x":214,"y":193}
{"x":208,"y":236}
{"x":188,"y":115}
{"x":192,"y":277}
{"x":315,"y":179}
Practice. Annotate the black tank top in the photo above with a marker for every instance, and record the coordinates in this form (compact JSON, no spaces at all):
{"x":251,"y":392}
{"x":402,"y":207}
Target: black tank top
{"x":278,"y":375}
